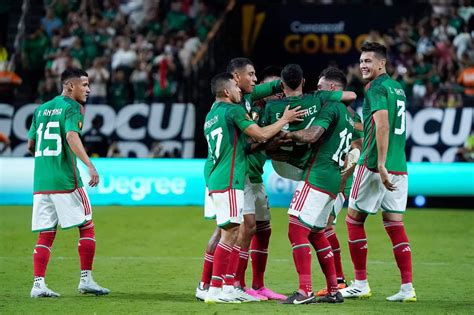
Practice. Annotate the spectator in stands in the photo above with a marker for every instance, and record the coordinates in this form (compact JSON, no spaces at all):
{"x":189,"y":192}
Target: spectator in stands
{"x":444,"y":31}
{"x":47,"y":89}
{"x":140,"y":81}
{"x":176,"y":20}
{"x":114,"y":150}
{"x":204,"y":21}
{"x":463,"y":42}
{"x":79,"y":53}
{"x":156,"y":150}
{"x":98,"y":78}
{"x":164,"y":83}
{"x":466,"y":79}
{"x":118,"y":91}
{"x":9,"y":81}
{"x":51,"y":22}
{"x":96,"y":143}
{"x":33,"y":63}
{"x":124,"y":57}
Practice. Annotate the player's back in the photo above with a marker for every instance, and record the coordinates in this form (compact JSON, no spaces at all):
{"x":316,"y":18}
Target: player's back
{"x":385,"y":93}
{"x":312,"y":103}
{"x":227,"y":163}
{"x":55,"y":164}
{"x":327,"y":158}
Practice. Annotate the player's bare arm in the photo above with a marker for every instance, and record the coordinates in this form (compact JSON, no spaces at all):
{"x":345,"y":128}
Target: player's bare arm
{"x":349,"y":166}
{"x":264,"y":134}
{"x":381,"y":136}
{"x":310,"y":135}
{"x":31,"y":146}
{"x":77,"y":147}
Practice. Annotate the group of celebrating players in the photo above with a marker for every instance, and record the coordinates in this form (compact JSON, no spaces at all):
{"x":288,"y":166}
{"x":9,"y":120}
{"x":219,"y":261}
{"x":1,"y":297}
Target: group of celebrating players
{"x":319,"y":141}
{"x":315,"y":139}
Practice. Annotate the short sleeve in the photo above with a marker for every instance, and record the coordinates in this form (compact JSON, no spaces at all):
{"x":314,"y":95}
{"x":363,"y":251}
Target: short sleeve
{"x":241,"y":118}
{"x":329,"y":96}
{"x":327,"y":116}
{"x":73,"y":119}
{"x":32,"y":131}
{"x":377,"y":98}
{"x":266,"y":89}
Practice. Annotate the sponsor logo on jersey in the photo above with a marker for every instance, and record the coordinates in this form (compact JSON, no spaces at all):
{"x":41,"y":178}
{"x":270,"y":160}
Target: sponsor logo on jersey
{"x":247,"y":106}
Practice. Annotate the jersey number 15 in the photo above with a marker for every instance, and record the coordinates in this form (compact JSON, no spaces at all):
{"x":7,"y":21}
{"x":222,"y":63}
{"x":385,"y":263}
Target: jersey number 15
{"x":48,"y":135}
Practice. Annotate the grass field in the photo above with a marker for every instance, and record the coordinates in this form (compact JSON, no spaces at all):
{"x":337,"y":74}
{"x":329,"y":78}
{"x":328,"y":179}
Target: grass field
{"x":151,"y":257}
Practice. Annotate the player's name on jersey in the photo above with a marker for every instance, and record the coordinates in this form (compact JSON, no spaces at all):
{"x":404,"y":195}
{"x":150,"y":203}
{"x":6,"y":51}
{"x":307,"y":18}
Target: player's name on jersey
{"x":51,"y":112}
{"x":211,"y":121}
{"x":308,"y":112}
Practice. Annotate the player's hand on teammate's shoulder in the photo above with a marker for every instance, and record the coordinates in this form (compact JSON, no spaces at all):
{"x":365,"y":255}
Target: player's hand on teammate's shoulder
{"x":294,"y":114}
{"x":386,"y":178}
{"x":94,"y":181}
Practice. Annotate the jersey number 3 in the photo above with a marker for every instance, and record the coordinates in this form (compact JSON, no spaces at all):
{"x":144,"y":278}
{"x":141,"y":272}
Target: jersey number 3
{"x":401,"y":114}
{"x":48,"y":135}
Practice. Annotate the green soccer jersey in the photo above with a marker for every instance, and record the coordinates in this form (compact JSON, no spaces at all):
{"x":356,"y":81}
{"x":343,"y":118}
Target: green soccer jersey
{"x":223,"y":130}
{"x":55,"y":163}
{"x":355,"y":136}
{"x":383,"y":93}
{"x":312,"y":103}
{"x":327,"y":157}
{"x":256,"y":160}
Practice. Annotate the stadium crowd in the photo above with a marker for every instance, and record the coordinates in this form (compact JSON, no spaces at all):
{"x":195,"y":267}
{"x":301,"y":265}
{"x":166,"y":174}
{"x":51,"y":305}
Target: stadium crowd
{"x":141,"y":51}
{"x":433,"y":57}
{"x":134,"y":51}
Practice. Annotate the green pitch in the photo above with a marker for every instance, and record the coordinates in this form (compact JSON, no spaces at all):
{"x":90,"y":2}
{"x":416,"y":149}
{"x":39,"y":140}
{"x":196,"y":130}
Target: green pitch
{"x":151,"y":258}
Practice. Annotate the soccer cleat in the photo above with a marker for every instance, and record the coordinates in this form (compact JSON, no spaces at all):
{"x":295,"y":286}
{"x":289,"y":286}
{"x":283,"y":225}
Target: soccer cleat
{"x":89,"y":286}
{"x":298,"y":298}
{"x":271,"y":295}
{"x":404,"y":295}
{"x":255,"y":294}
{"x":356,"y":291}
{"x":217,"y":295}
{"x":239,"y":294}
{"x":41,"y":290}
{"x":328,"y":298}
{"x":201,"y":291}
{"x":341,"y":285}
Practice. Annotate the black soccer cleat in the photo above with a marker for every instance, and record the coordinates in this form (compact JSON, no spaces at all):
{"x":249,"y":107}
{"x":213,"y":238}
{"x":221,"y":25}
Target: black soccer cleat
{"x":328,"y":298}
{"x":298,"y":298}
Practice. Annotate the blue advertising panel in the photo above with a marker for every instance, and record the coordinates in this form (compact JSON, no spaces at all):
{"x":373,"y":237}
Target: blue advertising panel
{"x":180,"y":181}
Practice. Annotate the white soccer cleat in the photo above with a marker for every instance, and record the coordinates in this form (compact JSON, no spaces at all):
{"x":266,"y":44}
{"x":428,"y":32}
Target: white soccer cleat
{"x":89,"y":286}
{"x":356,"y":290}
{"x":240,"y":294}
{"x":201,"y":292}
{"x":40,"y":289}
{"x":406,"y":294}
{"x":217,"y":295}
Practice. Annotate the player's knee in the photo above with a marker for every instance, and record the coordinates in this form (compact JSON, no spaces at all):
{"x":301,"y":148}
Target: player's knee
{"x":356,"y":215}
{"x":46,"y":237}
{"x":213,"y":241}
{"x":87,"y":229}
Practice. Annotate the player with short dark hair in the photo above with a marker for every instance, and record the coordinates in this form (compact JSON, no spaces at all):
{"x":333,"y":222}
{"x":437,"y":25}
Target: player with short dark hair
{"x":381,"y":179}
{"x":333,"y":79}
{"x":244,"y":74}
{"x":226,"y":129}
{"x":298,"y":156}
{"x":59,"y":197}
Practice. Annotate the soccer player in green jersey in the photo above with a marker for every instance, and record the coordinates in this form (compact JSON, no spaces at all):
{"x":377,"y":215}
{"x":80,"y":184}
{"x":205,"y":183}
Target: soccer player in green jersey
{"x":332,"y":79}
{"x":59,"y":196}
{"x":243,"y":72}
{"x":381,"y":179}
{"x":254,"y":236}
{"x":226,"y":129}
{"x":312,"y":202}
{"x":293,"y":158}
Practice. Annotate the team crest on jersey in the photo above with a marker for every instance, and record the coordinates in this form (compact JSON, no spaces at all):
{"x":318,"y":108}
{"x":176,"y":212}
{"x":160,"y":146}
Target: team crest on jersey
{"x":79,"y":124}
{"x":247,"y":106}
